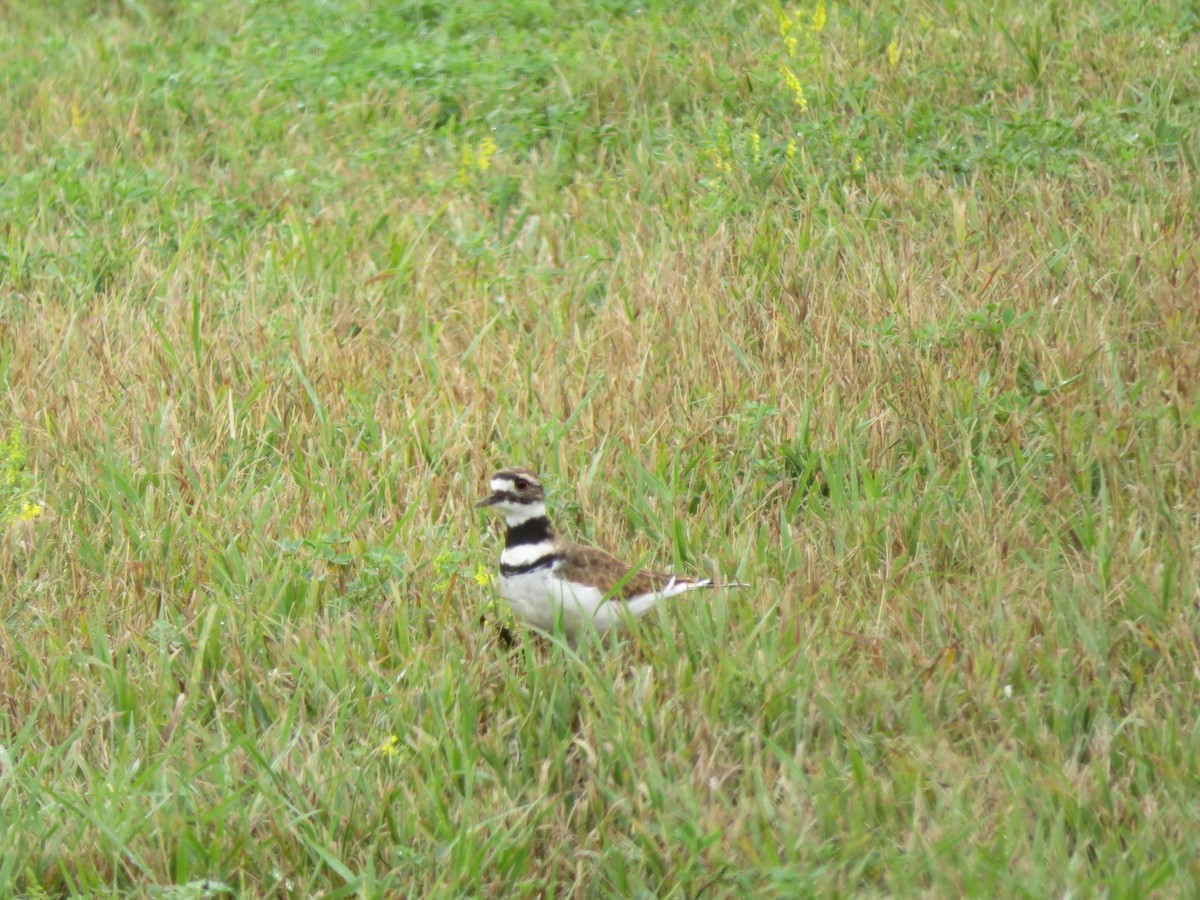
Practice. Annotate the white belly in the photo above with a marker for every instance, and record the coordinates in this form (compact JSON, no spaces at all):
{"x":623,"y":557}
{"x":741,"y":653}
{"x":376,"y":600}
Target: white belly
{"x":539,"y":597}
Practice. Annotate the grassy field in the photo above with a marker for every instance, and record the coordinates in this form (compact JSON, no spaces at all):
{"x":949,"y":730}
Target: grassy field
{"x":891,"y":310}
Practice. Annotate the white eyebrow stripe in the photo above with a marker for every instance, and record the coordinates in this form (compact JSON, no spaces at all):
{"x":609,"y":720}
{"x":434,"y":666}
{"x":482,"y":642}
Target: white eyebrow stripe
{"x":509,"y":482}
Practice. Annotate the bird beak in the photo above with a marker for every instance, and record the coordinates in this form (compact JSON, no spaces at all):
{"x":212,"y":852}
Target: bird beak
{"x":489,"y":500}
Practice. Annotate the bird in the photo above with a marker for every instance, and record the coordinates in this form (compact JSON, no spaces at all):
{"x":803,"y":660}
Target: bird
{"x":545,"y":578}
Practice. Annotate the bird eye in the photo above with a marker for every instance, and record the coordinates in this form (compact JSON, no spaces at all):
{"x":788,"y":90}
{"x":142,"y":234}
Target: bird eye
{"x":520,"y":484}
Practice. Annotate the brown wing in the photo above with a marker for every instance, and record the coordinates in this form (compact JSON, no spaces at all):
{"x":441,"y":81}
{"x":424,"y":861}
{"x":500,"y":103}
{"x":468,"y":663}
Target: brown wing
{"x":592,"y":565}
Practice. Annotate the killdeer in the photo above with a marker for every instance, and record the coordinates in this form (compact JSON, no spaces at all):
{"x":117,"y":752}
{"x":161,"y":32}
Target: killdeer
{"x":544,"y":577}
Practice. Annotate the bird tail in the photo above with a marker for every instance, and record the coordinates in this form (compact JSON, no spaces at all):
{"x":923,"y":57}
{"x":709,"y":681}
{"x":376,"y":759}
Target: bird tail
{"x":679,"y":585}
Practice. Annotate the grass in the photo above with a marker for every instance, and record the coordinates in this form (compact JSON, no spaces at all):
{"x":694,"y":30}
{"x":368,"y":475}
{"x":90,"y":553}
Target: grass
{"x":912,"y":350}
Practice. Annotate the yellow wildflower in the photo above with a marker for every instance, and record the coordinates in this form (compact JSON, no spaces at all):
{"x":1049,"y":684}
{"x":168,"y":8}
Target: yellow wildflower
{"x":790,"y":43}
{"x":818,"y":17}
{"x":390,"y":747}
{"x":464,"y":166}
{"x":30,"y":511}
{"x":475,"y":159}
{"x":795,"y":87}
{"x":487,"y":149}
{"x":785,"y":24}
{"x":893,"y":54}
{"x":719,"y":161}
{"x":482,"y":576}
{"x":755,"y":146}
{"x":791,"y":148}
{"x":858,"y":162}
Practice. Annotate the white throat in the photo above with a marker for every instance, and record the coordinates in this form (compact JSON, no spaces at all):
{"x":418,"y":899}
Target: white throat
{"x":520,"y":513}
